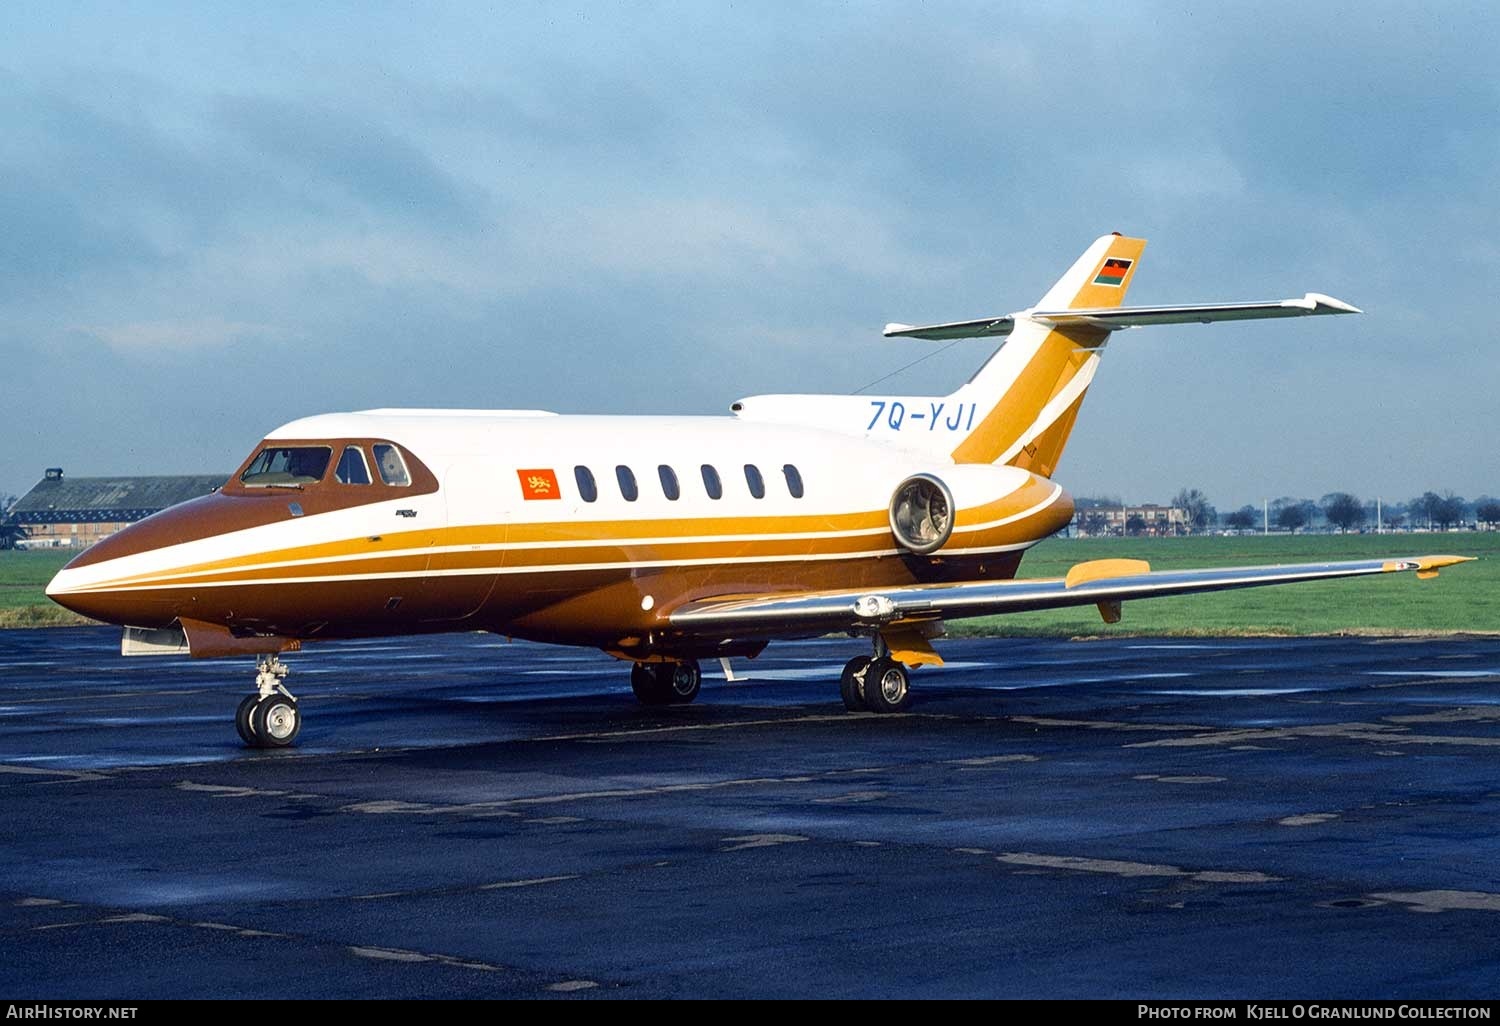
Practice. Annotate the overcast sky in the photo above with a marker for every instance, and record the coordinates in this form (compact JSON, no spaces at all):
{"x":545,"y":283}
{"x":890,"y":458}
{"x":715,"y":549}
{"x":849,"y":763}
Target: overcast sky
{"x":217,"y":218}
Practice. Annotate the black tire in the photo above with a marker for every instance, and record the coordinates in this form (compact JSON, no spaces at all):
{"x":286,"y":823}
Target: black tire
{"x":276,"y":721}
{"x":242,"y":720}
{"x":852,"y":683}
{"x":684,"y":680}
{"x":650,"y":687}
{"x":887,"y":687}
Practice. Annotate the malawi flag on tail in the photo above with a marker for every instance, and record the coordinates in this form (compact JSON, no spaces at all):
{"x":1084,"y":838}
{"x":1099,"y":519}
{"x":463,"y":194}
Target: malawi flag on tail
{"x":1113,"y":271}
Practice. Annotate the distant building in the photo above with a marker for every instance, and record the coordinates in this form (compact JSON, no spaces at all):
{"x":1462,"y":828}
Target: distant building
{"x":73,"y":513}
{"x":1148,"y":518}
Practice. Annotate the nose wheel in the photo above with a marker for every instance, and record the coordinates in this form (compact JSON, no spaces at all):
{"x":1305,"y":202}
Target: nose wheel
{"x":268,"y":717}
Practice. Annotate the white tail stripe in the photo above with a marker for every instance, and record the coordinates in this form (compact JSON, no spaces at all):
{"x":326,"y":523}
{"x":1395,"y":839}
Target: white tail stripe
{"x":1054,"y":409}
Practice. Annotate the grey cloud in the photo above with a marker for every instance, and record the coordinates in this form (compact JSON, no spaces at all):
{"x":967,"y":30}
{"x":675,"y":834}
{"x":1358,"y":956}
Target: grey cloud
{"x":49,"y":240}
{"x":665,"y":208}
{"x":319,"y":151}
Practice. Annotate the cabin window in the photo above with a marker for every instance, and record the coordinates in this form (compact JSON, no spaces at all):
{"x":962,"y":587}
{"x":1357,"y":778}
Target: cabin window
{"x":392,"y":467}
{"x":352,"y":468}
{"x":628,"y":488}
{"x":793,"y":480}
{"x":668,"y":482}
{"x":711,"y":483}
{"x":586,"y":487}
{"x":287,"y":466}
{"x":755,"y":481}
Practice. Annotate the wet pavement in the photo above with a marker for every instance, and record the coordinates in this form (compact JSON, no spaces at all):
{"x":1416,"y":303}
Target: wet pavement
{"x":468,"y":817}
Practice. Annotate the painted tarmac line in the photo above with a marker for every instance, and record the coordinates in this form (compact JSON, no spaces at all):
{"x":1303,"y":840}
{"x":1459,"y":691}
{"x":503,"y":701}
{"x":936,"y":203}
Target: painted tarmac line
{"x":611,"y":735}
{"x":1441,"y":674}
{"x":504,"y":885}
{"x":1117,"y":867}
{"x":65,"y":776}
{"x":1378,"y":733}
{"x":1443,"y":901}
{"x":1051,"y":721}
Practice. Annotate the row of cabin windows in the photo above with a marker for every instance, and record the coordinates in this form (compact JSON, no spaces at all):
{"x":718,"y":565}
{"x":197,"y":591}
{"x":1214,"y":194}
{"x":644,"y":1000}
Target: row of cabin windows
{"x":588,"y":489}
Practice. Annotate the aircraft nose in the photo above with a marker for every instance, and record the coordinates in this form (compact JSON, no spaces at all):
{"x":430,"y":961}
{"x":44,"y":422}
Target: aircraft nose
{"x":110,"y":580}
{"x":90,"y":589}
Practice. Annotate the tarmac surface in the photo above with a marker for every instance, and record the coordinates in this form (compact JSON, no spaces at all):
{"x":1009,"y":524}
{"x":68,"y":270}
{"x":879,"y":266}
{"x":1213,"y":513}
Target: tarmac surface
{"x":466,"y":817}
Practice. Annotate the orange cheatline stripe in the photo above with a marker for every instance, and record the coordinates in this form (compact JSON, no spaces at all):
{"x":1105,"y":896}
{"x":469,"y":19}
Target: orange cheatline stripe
{"x":538,"y":532}
{"x":539,"y":561}
{"x":322,"y":559}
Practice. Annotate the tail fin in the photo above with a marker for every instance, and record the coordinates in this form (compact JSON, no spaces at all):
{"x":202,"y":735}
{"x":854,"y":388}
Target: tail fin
{"x":1021,"y":406}
{"x":1033,"y":386}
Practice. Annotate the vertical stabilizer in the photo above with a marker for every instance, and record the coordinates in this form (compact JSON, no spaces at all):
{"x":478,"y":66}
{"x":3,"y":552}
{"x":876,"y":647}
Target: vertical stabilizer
{"x":1021,"y":407}
{"x":1032,"y":388}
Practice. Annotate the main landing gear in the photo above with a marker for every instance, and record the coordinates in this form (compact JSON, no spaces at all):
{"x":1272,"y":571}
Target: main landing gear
{"x":268,"y":717}
{"x":674,"y":683}
{"x":875,"y":683}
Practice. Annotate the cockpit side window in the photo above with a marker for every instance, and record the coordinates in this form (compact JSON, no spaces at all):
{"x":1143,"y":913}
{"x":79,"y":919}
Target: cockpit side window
{"x":352,"y":468}
{"x":391,"y":466}
{"x":287,"y":466}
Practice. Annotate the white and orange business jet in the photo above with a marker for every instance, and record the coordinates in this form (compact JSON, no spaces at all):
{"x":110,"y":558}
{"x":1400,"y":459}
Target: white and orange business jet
{"x":664,"y":540}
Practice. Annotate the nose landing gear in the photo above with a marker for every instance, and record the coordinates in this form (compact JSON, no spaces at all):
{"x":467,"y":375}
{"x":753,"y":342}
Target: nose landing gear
{"x":268,"y":717}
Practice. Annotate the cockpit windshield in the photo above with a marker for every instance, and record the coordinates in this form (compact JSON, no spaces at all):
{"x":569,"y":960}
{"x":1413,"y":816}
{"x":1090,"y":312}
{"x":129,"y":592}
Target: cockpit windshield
{"x":392,"y":467}
{"x":352,"y":468}
{"x":287,"y":466}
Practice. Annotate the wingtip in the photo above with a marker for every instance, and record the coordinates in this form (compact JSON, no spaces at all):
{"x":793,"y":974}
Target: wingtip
{"x":896,"y":329}
{"x":1427,"y":566}
{"x":1434,"y":562}
{"x":1318,"y":299}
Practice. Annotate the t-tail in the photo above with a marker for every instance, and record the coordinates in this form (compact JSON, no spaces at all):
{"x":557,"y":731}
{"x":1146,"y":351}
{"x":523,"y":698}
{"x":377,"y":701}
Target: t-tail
{"x":1021,"y":407}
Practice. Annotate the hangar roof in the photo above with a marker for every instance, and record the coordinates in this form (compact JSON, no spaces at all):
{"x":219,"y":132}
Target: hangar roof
{"x":66,"y":500}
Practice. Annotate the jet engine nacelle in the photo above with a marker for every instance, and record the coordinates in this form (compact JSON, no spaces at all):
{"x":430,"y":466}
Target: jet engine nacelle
{"x":924,"y":506}
{"x":922,"y":512}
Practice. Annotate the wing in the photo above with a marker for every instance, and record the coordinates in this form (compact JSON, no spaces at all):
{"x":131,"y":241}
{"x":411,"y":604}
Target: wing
{"x":1105,"y":583}
{"x":1112,"y":318}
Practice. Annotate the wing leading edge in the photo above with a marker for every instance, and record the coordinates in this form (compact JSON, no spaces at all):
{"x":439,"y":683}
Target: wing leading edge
{"x":1105,"y":584}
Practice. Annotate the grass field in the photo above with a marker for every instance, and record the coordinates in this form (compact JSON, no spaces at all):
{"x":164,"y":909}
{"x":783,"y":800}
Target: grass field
{"x":23,"y":590}
{"x":1465,"y":599}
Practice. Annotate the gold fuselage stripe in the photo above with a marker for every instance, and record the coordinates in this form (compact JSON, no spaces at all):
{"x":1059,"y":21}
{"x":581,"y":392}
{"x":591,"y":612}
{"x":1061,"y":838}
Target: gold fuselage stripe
{"x":996,"y":526}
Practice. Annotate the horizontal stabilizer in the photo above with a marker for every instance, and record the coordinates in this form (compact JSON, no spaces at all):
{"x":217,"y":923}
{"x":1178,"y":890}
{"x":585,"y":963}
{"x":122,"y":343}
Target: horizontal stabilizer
{"x":1139,"y":316}
{"x":989,"y":327}
{"x":1112,"y":318}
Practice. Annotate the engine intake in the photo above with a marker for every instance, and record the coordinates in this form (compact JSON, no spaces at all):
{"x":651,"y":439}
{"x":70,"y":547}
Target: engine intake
{"x":922,"y":514}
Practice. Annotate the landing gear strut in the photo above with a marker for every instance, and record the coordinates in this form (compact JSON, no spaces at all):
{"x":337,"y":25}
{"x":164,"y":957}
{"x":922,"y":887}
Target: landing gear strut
{"x":879,"y":684}
{"x":674,"y":683}
{"x":268,"y":717}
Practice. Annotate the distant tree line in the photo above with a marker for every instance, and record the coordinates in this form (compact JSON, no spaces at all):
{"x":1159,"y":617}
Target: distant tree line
{"x":1340,"y":511}
{"x":10,"y":531}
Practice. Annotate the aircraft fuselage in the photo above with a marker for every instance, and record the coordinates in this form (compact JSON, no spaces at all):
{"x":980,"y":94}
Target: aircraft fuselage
{"x":495,"y":530}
